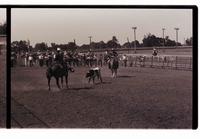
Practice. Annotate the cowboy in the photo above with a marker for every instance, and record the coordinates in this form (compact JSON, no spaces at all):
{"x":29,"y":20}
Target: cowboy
{"x":59,"y":58}
{"x":155,"y":52}
{"x":125,"y":59}
{"x":113,"y":53}
{"x":41,"y":59}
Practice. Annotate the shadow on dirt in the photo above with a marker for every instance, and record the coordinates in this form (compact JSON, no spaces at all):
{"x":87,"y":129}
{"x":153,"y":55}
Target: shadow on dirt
{"x":99,"y":83}
{"x":125,"y":76}
{"x":79,"y":88}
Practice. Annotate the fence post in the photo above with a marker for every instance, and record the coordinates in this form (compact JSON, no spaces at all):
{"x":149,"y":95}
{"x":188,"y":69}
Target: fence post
{"x":144,"y":61}
{"x":176,"y":62}
{"x":135,"y":61}
{"x":163,"y":63}
{"x":151,"y":61}
{"x":190,"y":63}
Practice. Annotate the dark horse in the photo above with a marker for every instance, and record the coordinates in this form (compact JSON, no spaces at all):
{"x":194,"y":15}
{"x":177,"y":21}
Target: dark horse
{"x":58,"y":71}
{"x":113,"y":65}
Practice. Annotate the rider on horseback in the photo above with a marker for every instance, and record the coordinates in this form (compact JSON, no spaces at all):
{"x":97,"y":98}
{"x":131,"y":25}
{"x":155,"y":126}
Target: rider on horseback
{"x":113,"y":56}
{"x":59,"y":58}
{"x":155,"y":52}
{"x":114,"y":53}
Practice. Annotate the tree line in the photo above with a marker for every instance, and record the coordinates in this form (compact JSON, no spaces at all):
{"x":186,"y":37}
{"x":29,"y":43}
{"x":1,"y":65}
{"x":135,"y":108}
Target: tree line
{"x":149,"y":40}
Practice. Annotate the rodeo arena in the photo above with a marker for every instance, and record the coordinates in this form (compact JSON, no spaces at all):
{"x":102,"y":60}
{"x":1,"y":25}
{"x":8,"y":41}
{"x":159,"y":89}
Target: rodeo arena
{"x":108,"y":88}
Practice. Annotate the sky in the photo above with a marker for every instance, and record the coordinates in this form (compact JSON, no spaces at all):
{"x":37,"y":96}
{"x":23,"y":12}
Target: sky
{"x":64,"y":25}
{"x":2,"y":15}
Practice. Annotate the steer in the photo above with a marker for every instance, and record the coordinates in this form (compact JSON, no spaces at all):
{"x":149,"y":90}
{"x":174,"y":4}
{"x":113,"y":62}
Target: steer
{"x":94,"y":72}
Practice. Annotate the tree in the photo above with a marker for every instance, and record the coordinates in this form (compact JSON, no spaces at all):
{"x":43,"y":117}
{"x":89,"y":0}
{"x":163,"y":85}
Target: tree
{"x":20,"y":46}
{"x":151,"y":40}
{"x":189,"y":41}
{"x":113,"y":43}
{"x":171,"y":43}
{"x":131,"y":44}
{"x":71,"y":46}
{"x":41,"y":47}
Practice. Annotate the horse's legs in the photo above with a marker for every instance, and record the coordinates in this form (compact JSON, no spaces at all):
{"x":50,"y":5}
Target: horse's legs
{"x":62,"y":82}
{"x":115,"y":72}
{"x":93,"y":79}
{"x":57,"y":82}
{"x":49,"y":80}
{"x":66,"y":81}
{"x":112,"y":73}
{"x":100,"y":77}
{"x":89,"y":79}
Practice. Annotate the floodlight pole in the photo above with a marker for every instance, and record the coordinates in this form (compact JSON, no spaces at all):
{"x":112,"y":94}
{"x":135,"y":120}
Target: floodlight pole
{"x":90,"y":37}
{"x":163,"y":29}
{"x":134,"y":28}
{"x":177,"y":29}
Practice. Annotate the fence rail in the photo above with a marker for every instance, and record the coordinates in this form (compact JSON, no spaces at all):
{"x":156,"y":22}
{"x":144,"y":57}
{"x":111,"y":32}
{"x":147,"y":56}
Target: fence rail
{"x":167,"y":62}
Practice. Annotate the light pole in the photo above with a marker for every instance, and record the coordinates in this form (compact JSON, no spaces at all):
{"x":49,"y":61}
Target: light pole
{"x":177,"y":29}
{"x":134,"y":28}
{"x":163,"y":29}
{"x":90,"y":37}
{"x":28,"y":43}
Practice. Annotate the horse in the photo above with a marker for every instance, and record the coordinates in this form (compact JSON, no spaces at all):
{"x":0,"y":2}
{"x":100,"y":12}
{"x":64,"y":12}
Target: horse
{"x":113,"y":65}
{"x":58,"y":71}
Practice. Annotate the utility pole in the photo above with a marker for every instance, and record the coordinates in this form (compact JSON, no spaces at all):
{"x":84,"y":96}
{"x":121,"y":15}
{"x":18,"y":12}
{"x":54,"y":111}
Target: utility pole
{"x":134,"y":28}
{"x":177,"y":29}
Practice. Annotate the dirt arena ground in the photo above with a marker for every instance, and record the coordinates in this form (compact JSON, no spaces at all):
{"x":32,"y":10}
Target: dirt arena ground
{"x":137,"y":98}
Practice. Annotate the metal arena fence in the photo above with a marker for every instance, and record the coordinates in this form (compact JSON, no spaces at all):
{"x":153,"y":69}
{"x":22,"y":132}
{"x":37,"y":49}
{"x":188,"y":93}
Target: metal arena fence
{"x":180,"y":62}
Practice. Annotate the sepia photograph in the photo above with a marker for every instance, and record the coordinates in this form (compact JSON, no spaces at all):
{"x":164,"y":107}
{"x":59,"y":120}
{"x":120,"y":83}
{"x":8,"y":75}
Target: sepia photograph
{"x":2,"y":67}
{"x":124,"y":68}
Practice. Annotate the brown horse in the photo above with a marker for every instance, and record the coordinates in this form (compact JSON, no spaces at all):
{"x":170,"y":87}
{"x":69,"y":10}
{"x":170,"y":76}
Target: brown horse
{"x":58,"y":71}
